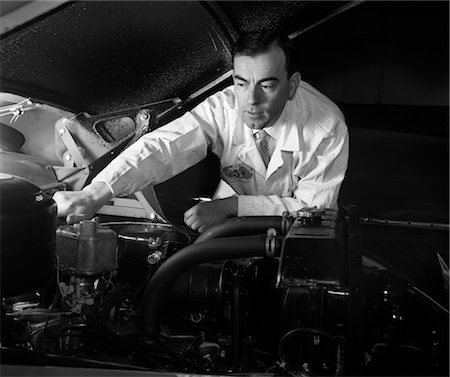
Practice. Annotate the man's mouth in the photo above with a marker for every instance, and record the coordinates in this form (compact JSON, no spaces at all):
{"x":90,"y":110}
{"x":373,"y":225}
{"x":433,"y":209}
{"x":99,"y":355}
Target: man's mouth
{"x":254,"y":114}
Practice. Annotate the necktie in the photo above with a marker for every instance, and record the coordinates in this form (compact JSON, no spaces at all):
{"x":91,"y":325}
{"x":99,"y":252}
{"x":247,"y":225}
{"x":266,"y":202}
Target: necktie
{"x":262,"y":142}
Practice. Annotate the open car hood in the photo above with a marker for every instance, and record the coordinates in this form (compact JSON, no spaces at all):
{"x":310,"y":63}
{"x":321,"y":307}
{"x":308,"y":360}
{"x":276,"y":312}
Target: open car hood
{"x":102,"y":59}
{"x":99,"y":58}
{"x":103,"y":56}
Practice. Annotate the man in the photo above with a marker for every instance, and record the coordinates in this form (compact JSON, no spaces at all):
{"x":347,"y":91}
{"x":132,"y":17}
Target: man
{"x":299,"y":162}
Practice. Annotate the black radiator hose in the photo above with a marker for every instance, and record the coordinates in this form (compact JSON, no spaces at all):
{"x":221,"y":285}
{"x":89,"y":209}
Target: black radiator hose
{"x":238,"y":226}
{"x":208,"y":251}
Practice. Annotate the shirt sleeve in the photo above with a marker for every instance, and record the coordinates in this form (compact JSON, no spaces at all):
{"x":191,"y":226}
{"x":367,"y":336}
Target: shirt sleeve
{"x":318,"y":183}
{"x":267,"y":205}
{"x":164,"y":152}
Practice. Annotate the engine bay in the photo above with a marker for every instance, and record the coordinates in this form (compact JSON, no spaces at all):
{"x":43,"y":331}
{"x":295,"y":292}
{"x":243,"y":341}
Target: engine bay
{"x":359,"y":291}
{"x":284,"y":295}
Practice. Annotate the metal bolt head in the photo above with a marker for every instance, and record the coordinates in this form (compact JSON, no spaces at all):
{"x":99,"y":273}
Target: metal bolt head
{"x":154,"y":257}
{"x":271,"y":232}
{"x":144,"y":116}
{"x":154,"y":242}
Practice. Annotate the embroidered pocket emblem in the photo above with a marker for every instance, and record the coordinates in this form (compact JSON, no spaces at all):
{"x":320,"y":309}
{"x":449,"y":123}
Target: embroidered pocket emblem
{"x":238,"y":171}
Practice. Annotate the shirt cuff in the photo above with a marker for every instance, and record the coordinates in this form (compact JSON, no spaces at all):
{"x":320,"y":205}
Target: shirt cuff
{"x":258,"y":205}
{"x":107,"y":185}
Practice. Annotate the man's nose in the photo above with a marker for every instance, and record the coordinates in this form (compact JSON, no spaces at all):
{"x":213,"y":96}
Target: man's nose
{"x":254,"y":96}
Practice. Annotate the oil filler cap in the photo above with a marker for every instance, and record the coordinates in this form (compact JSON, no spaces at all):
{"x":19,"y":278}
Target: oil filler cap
{"x":310,"y":215}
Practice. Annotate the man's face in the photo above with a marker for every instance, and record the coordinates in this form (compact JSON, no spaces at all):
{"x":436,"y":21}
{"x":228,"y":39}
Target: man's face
{"x":261,"y":86}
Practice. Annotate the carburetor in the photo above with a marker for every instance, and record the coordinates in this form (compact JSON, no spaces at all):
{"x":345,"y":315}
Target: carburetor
{"x":86,"y":253}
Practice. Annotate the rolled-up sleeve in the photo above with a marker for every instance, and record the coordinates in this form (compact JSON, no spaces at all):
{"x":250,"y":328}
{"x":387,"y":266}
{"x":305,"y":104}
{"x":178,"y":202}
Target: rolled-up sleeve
{"x":267,"y":205}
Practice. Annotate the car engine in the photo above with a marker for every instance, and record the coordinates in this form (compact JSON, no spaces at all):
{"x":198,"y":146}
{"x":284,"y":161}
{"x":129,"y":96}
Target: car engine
{"x":283,"y":295}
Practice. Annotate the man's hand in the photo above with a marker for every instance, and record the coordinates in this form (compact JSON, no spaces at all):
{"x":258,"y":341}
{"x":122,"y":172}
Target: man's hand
{"x":85,"y":202}
{"x":203,"y":215}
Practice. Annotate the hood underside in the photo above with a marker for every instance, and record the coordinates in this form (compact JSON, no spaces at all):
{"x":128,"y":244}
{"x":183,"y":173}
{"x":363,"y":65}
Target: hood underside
{"x":100,"y":56}
{"x":389,"y":77}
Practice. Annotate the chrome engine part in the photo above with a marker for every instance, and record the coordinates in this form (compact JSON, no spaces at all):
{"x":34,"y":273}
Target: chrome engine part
{"x":86,"y":249}
{"x":86,"y":254}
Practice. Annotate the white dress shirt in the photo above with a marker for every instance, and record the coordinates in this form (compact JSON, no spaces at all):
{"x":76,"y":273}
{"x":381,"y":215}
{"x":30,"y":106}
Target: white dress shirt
{"x":307,"y":167}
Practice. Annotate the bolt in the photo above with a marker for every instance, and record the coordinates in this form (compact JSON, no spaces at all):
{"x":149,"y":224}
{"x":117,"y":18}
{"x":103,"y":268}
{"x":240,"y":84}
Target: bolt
{"x":271,"y":232}
{"x":62,"y":131}
{"x":144,"y":116}
{"x":154,"y":257}
{"x":196,"y":317}
{"x":154,"y":242}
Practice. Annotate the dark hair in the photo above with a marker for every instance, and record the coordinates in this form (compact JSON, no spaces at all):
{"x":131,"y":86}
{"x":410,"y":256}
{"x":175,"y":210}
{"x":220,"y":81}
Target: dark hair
{"x":257,"y":42}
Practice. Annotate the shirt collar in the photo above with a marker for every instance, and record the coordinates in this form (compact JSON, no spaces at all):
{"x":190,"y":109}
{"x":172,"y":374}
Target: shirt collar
{"x":287,"y":137}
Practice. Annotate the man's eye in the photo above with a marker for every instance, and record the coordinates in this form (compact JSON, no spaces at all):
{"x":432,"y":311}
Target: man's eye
{"x":267,"y":87}
{"x":240,"y":84}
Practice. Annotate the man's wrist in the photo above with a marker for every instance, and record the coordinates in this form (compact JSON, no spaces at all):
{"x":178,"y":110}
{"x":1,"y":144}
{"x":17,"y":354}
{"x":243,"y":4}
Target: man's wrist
{"x":98,"y":193}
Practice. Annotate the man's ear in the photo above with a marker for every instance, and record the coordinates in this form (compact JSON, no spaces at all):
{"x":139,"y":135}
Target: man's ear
{"x":294,"y":82}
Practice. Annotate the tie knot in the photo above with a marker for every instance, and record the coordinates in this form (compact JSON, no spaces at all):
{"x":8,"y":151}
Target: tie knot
{"x":261,"y":135}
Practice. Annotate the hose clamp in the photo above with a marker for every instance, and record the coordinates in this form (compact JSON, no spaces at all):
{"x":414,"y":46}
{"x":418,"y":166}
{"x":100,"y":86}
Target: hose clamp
{"x":270,"y":245}
{"x":286,"y":222}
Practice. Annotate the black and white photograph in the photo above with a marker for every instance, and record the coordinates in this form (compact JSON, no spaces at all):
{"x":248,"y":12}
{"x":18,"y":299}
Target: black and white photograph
{"x":224,"y":188}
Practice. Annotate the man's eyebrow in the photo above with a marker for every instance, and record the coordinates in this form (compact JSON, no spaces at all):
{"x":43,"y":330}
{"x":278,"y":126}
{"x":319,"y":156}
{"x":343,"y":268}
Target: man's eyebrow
{"x":268,"y":79}
{"x":260,"y":81}
{"x":239,"y":78}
